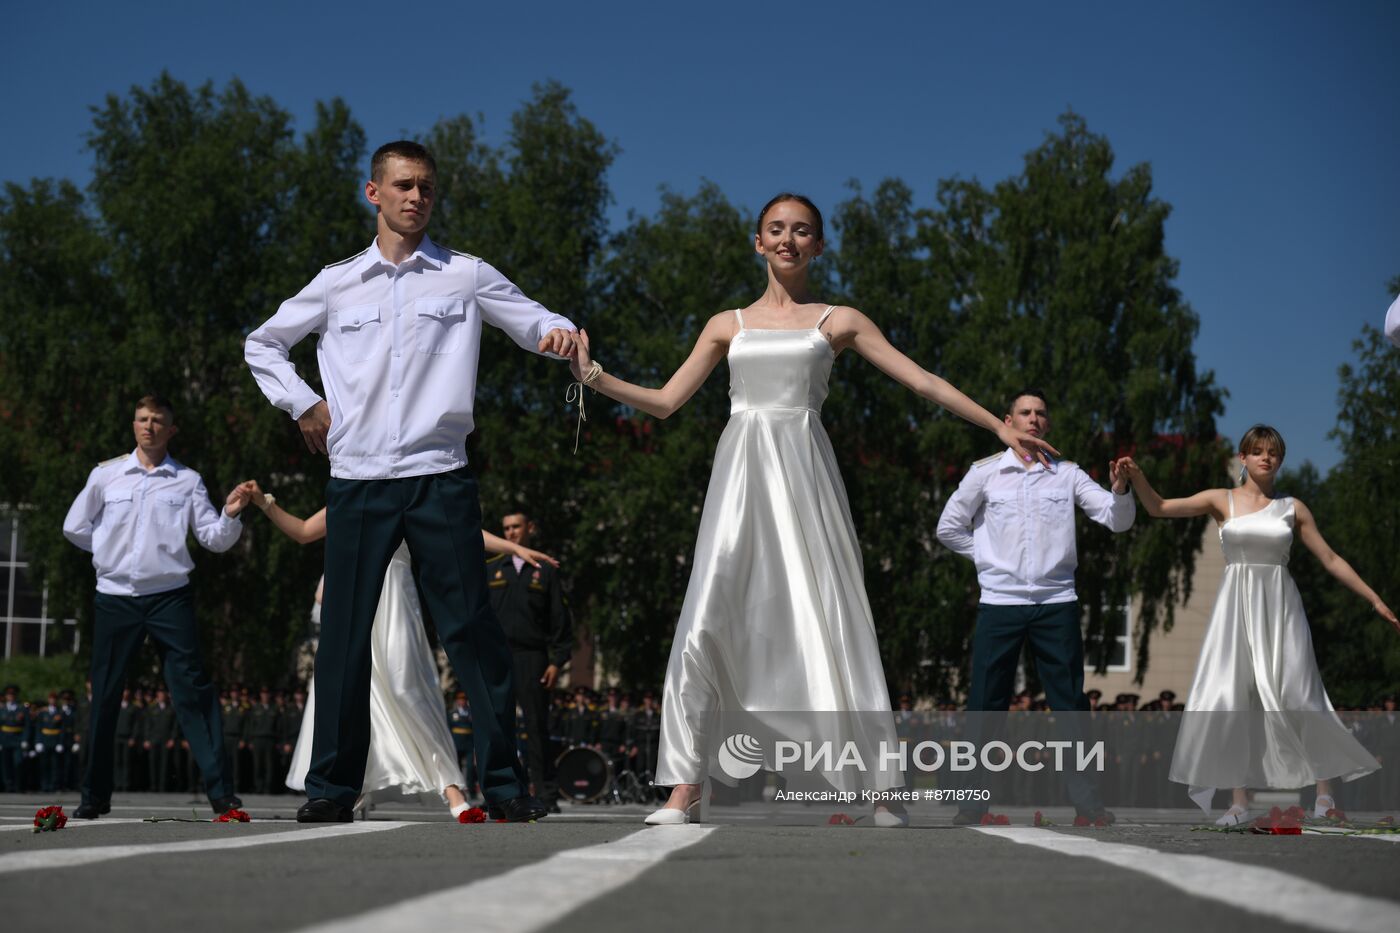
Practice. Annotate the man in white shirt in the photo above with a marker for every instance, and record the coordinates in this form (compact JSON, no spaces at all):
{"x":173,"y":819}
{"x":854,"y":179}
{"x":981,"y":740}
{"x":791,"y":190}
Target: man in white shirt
{"x":134,"y":515}
{"x":399,"y":329}
{"x":1016,"y":522}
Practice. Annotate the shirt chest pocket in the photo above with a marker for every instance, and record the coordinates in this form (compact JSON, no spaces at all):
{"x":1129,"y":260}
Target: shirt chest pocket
{"x":168,"y":511}
{"x":360,"y":329}
{"x":116,"y":505}
{"x":1055,"y":507}
{"x":440,"y":323}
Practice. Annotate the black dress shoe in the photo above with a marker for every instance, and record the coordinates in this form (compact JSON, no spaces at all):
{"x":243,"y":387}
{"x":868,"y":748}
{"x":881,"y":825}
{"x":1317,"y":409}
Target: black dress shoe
{"x":322,"y":810}
{"x":554,"y":807}
{"x":91,"y":811}
{"x":521,"y":809}
{"x":225,"y":804}
{"x":968,"y":818}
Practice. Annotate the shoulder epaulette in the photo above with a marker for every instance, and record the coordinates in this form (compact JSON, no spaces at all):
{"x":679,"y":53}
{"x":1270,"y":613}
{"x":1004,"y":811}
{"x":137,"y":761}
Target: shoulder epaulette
{"x":494,"y":558}
{"x":986,"y":460}
{"x":118,"y":459}
{"x":349,"y":258}
{"x":458,"y":252}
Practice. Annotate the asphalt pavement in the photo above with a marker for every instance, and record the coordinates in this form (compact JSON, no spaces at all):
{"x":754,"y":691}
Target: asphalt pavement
{"x":597,"y":868}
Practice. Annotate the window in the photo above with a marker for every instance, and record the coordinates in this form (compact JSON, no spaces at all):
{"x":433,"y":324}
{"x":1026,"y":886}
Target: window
{"x":1120,"y":644}
{"x":25,"y":619}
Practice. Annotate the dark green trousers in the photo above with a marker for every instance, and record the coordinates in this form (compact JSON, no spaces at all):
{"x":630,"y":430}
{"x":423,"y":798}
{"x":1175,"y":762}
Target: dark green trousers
{"x":1052,"y":632}
{"x":121,"y":624}
{"x":439,"y":515}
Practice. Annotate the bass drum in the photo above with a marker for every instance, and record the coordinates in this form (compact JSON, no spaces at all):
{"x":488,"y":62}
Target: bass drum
{"x":583,"y":774}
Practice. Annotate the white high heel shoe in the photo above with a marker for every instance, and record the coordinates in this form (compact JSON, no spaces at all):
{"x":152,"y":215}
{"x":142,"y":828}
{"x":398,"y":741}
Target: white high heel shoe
{"x":670,"y":816}
{"x":891,"y":819}
{"x":1320,"y":807}
{"x":1234,"y":816}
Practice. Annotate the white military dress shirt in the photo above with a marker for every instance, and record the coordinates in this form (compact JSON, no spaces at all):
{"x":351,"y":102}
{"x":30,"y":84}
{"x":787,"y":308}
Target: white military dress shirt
{"x":1016,"y":522}
{"x":398,"y":355}
{"x":135,"y":522}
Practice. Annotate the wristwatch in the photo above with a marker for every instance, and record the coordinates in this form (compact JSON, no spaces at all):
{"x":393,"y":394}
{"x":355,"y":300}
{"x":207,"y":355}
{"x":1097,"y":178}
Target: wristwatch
{"x":270,"y":500}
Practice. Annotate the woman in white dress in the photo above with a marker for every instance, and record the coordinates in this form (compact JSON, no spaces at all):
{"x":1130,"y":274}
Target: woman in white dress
{"x":410,"y":751}
{"x":776,"y":617}
{"x":1257,"y":658}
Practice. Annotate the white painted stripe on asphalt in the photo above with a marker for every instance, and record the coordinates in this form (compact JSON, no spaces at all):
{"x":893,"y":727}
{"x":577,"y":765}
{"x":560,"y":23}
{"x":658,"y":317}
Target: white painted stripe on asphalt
{"x":1249,"y":888}
{"x":513,"y":902}
{"x":72,"y":858}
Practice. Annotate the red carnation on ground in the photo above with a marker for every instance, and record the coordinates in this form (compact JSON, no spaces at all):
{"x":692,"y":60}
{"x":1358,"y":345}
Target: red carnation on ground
{"x":1081,"y":820}
{"x":1336,"y":814}
{"x":840,"y":819}
{"x":473,"y":815}
{"x":233,"y":816}
{"x":49,"y":819}
{"x":1040,"y":819}
{"x":995,"y":819}
{"x":1278,"y":823}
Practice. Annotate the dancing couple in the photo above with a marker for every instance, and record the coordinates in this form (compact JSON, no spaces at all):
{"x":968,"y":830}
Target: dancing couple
{"x":399,"y":335}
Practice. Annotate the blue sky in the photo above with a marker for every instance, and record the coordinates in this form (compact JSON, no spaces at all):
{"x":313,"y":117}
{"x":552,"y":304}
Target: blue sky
{"x":1273,"y":128}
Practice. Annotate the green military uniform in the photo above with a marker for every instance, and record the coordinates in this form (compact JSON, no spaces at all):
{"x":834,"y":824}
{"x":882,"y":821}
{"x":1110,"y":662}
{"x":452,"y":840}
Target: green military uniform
{"x":127,"y":731}
{"x":292,"y":715}
{"x":581,"y":725}
{"x":50,"y":728}
{"x":262,"y":725}
{"x":158,"y":729}
{"x":234,"y":712}
{"x":14,"y":729}
{"x":78,"y":719}
{"x":644,"y":734}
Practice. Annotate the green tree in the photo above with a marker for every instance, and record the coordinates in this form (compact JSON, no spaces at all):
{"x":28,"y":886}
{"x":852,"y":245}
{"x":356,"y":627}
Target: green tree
{"x":1359,"y":653}
{"x":1057,"y":278}
{"x":202,"y":206}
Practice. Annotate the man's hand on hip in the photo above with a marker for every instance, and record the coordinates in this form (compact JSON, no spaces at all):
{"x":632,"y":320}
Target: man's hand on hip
{"x":315,"y":424}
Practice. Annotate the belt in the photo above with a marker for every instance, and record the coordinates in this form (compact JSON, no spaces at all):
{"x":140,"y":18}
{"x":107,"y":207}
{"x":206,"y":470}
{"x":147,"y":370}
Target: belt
{"x":461,"y":732}
{"x":11,"y":728}
{"x":51,"y":731}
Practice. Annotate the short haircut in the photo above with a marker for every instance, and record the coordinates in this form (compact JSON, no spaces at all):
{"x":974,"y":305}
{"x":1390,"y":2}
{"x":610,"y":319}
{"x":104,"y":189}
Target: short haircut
{"x":789,"y":196}
{"x":154,"y":402}
{"x":1033,"y":393}
{"x":1263,"y":435}
{"x":404,"y":149}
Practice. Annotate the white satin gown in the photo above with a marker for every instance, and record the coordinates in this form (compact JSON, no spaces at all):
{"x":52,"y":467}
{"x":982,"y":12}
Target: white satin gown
{"x":1258,"y":715}
{"x":410,"y":748}
{"x":775,"y":616}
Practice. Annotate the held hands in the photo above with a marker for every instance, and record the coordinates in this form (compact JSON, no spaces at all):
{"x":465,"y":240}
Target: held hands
{"x":236,"y":502}
{"x":315,"y":424}
{"x":1118,"y":474}
{"x":1028,"y":447}
{"x":255,"y":493}
{"x":560,"y":342}
{"x":582,"y":359}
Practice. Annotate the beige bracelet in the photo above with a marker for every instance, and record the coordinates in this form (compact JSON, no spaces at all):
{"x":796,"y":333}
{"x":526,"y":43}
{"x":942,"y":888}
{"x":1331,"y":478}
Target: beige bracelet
{"x":595,"y":372}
